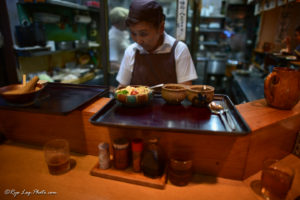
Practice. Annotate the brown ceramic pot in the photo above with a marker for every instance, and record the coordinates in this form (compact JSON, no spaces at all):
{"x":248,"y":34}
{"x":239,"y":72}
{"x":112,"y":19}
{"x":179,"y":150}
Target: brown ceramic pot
{"x":173,"y":93}
{"x":282,"y":88}
{"x":200,"y":95}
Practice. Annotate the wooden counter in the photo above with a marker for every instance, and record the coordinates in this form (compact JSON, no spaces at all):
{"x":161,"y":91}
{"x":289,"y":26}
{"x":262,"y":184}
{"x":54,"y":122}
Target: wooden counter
{"x":23,"y":169}
{"x":235,"y":157}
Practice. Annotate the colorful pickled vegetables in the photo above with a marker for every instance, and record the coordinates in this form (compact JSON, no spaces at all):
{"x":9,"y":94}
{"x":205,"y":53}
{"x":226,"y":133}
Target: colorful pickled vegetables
{"x":130,"y":90}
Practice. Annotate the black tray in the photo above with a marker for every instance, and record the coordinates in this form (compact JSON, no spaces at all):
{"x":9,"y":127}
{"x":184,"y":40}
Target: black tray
{"x":60,"y":98}
{"x":162,"y":116}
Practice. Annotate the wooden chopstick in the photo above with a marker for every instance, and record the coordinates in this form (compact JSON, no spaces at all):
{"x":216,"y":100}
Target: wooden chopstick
{"x":24,"y":80}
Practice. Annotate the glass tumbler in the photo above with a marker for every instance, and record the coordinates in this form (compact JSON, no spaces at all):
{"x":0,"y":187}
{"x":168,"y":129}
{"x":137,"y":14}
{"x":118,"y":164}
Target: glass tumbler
{"x":276,"y":180}
{"x":57,"y":155}
{"x":180,"y":171}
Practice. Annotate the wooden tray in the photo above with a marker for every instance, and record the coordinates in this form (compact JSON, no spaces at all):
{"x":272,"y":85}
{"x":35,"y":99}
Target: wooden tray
{"x":60,"y":98}
{"x":162,"y":116}
{"x":129,"y":176}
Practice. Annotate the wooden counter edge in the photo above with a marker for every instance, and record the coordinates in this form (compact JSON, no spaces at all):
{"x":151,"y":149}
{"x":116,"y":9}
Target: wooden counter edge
{"x":258,"y":114}
{"x":96,"y":106}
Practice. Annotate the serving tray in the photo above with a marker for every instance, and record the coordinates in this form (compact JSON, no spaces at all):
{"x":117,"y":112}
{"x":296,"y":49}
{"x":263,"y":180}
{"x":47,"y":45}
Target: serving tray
{"x":60,"y":98}
{"x":165,"y":117}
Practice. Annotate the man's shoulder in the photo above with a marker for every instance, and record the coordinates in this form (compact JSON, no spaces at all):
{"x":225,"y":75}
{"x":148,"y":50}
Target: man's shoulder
{"x":170,"y":40}
{"x":130,"y":50}
{"x":181,"y":48}
{"x":181,"y":44}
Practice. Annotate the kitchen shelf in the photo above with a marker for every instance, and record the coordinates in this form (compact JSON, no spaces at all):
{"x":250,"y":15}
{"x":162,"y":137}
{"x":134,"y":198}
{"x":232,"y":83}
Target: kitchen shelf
{"x":31,"y":53}
{"x":213,"y":17}
{"x":87,"y":77}
{"x":209,"y":43}
{"x":206,"y":30}
{"x":202,"y":59}
{"x":63,"y":4}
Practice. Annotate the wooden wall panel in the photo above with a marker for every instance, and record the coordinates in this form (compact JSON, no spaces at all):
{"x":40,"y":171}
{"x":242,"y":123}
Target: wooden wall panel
{"x":212,"y":155}
{"x":274,"y":141}
{"x":270,"y":23}
{"x":36,"y":128}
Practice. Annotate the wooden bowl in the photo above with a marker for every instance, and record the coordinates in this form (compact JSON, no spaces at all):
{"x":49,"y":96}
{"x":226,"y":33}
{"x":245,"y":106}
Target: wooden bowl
{"x":134,"y":100}
{"x":173,"y":93}
{"x":20,"y":99}
{"x":200,"y":95}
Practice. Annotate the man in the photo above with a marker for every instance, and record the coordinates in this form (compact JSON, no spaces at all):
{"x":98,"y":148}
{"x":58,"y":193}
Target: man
{"x":155,"y":57}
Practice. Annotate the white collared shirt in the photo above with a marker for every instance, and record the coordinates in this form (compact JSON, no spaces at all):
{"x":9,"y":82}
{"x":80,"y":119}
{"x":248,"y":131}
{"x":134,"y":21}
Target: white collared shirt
{"x":185,"y":68}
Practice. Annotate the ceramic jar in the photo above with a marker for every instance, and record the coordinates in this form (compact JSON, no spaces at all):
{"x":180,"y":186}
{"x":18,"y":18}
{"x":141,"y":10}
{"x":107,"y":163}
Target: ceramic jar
{"x":282,"y":88}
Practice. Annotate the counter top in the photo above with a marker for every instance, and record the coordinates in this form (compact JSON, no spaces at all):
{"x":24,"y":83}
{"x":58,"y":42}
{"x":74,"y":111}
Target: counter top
{"x":259,"y":115}
{"x":273,"y":134}
{"x":26,"y":171}
{"x":251,"y":85}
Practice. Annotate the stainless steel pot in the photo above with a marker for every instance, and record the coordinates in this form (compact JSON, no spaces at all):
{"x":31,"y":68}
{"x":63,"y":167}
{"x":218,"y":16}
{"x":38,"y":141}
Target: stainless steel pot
{"x":216,"y":67}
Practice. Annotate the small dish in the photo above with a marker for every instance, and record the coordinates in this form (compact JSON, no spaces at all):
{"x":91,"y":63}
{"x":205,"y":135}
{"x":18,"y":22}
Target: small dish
{"x":200,"y":95}
{"x":19,"y":99}
{"x":134,"y":95}
{"x":173,"y":93}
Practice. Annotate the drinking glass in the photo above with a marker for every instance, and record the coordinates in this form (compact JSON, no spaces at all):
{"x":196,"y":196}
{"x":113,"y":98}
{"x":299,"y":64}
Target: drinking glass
{"x":276,"y":180}
{"x":57,"y":155}
{"x":180,"y":171}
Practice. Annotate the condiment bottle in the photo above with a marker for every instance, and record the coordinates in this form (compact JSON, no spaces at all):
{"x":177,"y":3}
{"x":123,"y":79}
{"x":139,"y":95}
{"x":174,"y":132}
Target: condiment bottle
{"x":104,"y":157}
{"x":152,"y":161}
{"x":121,"y":150}
{"x":137,"y":148}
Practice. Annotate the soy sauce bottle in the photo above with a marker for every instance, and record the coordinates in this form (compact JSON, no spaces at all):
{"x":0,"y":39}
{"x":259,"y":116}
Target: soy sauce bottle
{"x":153,"y":162}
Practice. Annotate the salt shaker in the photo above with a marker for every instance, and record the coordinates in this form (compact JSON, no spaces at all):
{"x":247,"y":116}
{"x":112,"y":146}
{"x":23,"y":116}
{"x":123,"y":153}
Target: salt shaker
{"x":104,"y":157}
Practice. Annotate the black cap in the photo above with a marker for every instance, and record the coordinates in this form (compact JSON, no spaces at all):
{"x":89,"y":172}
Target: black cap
{"x":145,"y":10}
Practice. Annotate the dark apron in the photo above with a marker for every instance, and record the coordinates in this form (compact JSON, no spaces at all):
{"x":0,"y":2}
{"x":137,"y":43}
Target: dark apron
{"x":153,"y":69}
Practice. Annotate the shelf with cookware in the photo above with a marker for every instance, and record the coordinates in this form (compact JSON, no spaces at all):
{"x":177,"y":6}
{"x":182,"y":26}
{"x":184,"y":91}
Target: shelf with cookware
{"x":59,"y":34}
{"x":210,"y":43}
{"x":43,"y":51}
{"x":210,"y":28}
{"x":66,"y":4}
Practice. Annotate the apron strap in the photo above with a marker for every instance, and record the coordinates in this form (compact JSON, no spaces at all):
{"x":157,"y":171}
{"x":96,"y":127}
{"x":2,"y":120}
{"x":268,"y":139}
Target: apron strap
{"x":174,"y":46}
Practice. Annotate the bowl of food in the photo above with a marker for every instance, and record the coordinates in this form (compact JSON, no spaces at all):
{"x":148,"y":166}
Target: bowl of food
{"x":13,"y":94}
{"x":200,"y":95}
{"x":134,"y":95}
{"x":173,"y":93}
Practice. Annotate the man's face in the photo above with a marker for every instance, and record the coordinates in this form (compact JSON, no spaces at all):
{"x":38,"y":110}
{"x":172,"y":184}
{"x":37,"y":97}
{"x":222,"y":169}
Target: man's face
{"x":146,"y":35}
